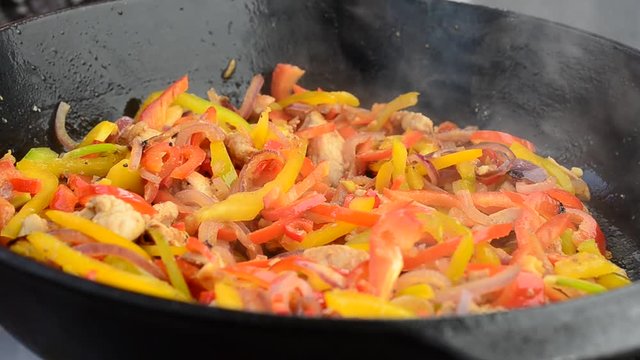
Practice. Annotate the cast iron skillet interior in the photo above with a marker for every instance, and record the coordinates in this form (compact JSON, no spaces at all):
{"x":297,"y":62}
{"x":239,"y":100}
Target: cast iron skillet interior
{"x":574,"y":94}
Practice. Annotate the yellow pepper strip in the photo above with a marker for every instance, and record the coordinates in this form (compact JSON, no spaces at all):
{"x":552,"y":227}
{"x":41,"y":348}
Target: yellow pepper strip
{"x":41,"y":153}
{"x":360,"y":241}
{"x":425,"y":147}
{"x":245,"y":206}
{"x":613,"y":281}
{"x":24,"y":248}
{"x":19,"y":199}
{"x":124,"y":265}
{"x":174,"y":273}
{"x":438,"y":225}
{"x":174,"y":113}
{"x":99,"y":166}
{"x":94,"y":149}
{"x":221,"y":164}
{"x":401,"y":102}
{"x":383,"y":178}
{"x":199,"y":106}
{"x":122,"y":176}
{"x":584,"y":266}
{"x":151,"y":98}
{"x":460,"y":258}
{"x":320,"y":97}
{"x":154,"y":251}
{"x":97,"y":232}
{"x":333,"y":231}
{"x":566,"y":241}
{"x":260,"y":131}
{"x":485,"y":254}
{"x":552,"y":169}
{"x":349,"y":303}
{"x":349,"y":185}
{"x":589,"y":246}
{"x":420,"y":290}
{"x":467,"y":171}
{"x":414,"y":179}
{"x":38,"y":203}
{"x":582,"y":285}
{"x":78,"y":264}
{"x":100,"y":132}
{"x":398,"y":159}
{"x":455,"y":158}
{"x":227,"y":297}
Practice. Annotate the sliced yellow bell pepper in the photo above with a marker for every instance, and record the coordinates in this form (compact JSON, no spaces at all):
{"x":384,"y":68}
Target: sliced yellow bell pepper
{"x":360,"y":241}
{"x":467,"y":171}
{"x":19,"y":199}
{"x":584,"y":266}
{"x":330,"y":232}
{"x":320,"y":97}
{"x":566,"y":241}
{"x":460,"y":258}
{"x":78,"y":264}
{"x":221,"y":164}
{"x":455,"y":158}
{"x":401,"y":102}
{"x":552,"y":169}
{"x":589,"y":246}
{"x":199,"y":106}
{"x":154,"y":251}
{"x":100,"y":132}
{"x":94,"y":149}
{"x":245,"y":206}
{"x":398,"y":159}
{"x":227,"y":297}
{"x":122,"y":176}
{"x":349,"y":303}
{"x":613,"y":281}
{"x":260,"y":131}
{"x":24,"y":248}
{"x":151,"y":98}
{"x":41,"y":153}
{"x":414,"y":179}
{"x":38,"y":203}
{"x":420,"y":290}
{"x":485,"y":254}
{"x":174,"y":273}
{"x":383,"y":178}
{"x":98,"y":166}
{"x":97,"y":232}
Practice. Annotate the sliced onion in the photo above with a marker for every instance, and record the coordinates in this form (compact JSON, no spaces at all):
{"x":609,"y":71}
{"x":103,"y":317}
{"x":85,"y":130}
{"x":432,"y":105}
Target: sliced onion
{"x":524,"y":170}
{"x":149,"y":176}
{"x":326,"y":273}
{"x":100,"y":249}
{"x":423,"y":276}
{"x":123,"y":123}
{"x":248,"y":172}
{"x":481,"y":286}
{"x":194,"y":197}
{"x":465,"y":303}
{"x":251,"y":95}
{"x":350,"y":146}
{"x":298,"y":109}
{"x":136,"y":153}
{"x":208,"y":232}
{"x":525,"y":188}
{"x":212,"y":131}
{"x":506,"y":216}
{"x":242,"y":232}
{"x":60,"y":127}
{"x":470,"y":209}
{"x":72,"y":237}
{"x":505,"y":163}
{"x":458,"y":136}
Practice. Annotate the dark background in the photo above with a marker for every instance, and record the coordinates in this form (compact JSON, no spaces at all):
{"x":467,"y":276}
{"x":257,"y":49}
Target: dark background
{"x":615,"y":19}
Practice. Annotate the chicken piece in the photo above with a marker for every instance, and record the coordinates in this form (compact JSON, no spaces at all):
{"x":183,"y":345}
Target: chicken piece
{"x":115,"y":215}
{"x":33,"y":223}
{"x":262,"y":101}
{"x":240,"y":148}
{"x":201,"y":183}
{"x":337,"y":256}
{"x":410,"y":120}
{"x":167,"y":213}
{"x":140,"y":130}
{"x":175,"y":237}
{"x":327,"y":147}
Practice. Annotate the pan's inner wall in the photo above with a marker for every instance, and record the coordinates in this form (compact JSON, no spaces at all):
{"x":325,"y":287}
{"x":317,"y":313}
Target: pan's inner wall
{"x":572,"y":94}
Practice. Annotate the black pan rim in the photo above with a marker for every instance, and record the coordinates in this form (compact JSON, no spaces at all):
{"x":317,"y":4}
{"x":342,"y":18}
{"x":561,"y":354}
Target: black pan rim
{"x":191,"y":310}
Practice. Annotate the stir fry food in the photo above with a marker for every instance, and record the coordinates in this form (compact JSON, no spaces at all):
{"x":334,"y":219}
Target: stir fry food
{"x":302,"y":202}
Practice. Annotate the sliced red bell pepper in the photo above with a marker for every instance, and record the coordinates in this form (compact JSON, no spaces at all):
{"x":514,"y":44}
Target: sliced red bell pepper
{"x":31,"y":186}
{"x":525,"y":291}
{"x":267,"y":233}
{"x":448,"y":247}
{"x":499,"y":137}
{"x":194,"y":157}
{"x":601,"y":240}
{"x":351,"y":216}
{"x":374,"y":155}
{"x":283,"y":79}
{"x":552,"y":229}
{"x":155,"y":114}
{"x":75,"y":181}
{"x":425,"y":197}
{"x":133,"y":199}
{"x":411,"y":137}
{"x":63,"y":199}
{"x":295,"y":208}
{"x":296,"y":229}
{"x":566,"y":198}
{"x":316,"y":131}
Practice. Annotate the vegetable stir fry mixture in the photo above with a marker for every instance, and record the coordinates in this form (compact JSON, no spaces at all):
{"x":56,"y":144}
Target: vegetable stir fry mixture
{"x":302,"y":202}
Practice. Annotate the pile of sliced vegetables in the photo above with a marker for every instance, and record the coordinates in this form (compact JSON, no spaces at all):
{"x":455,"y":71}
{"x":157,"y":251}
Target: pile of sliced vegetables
{"x":305,"y":203}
